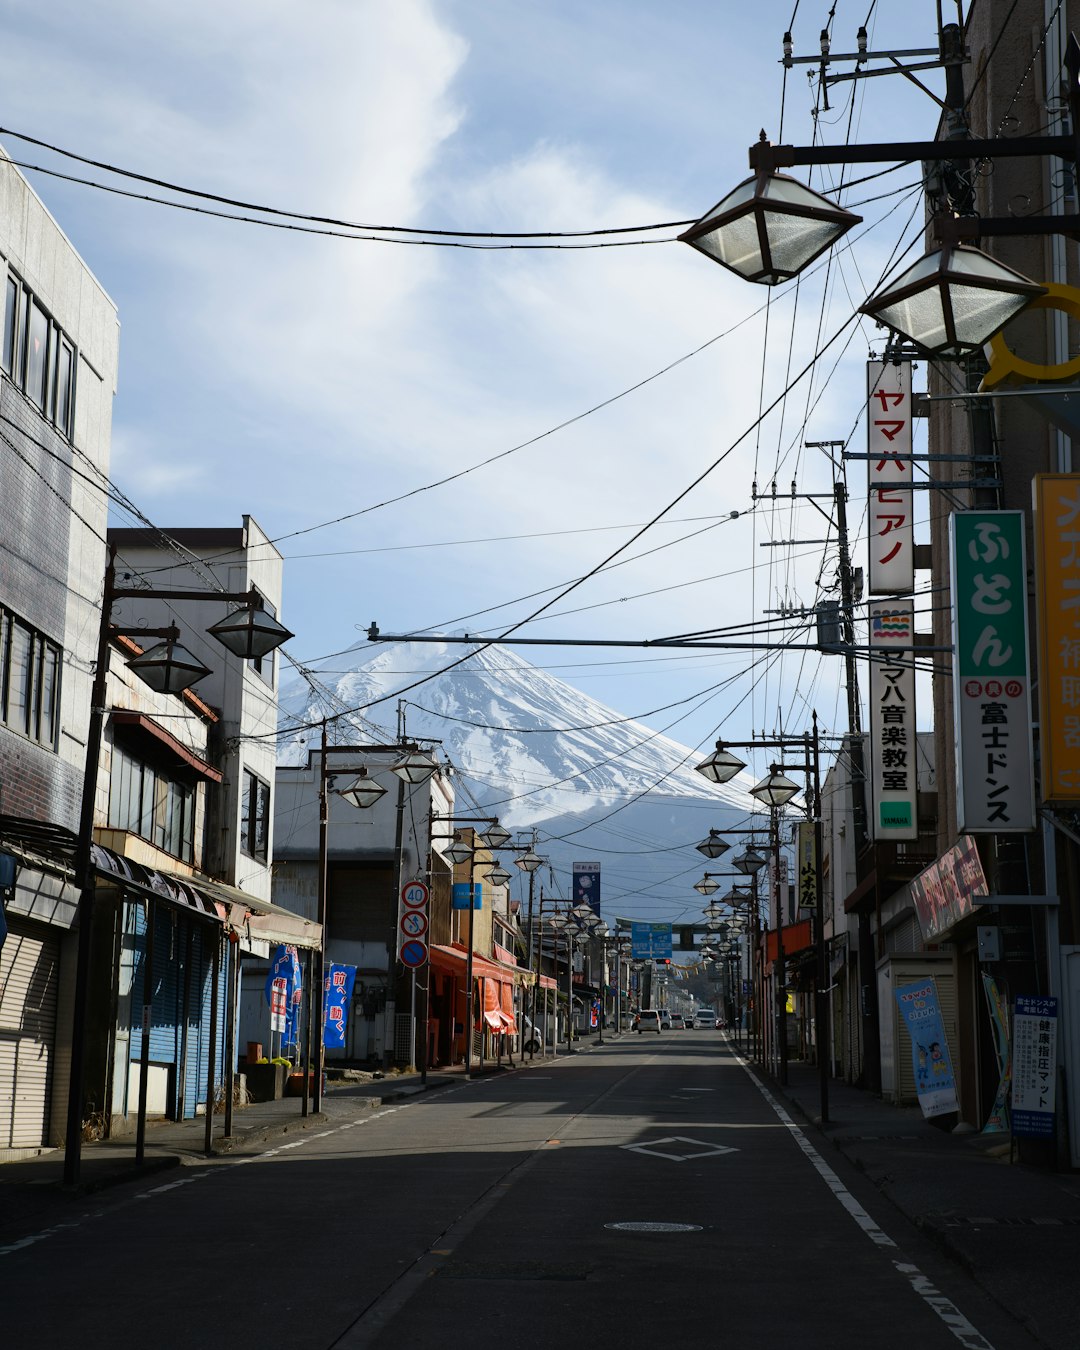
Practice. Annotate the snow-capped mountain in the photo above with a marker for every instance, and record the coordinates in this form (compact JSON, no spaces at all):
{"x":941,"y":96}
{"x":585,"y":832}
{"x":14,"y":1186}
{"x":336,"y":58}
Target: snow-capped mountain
{"x":541,"y":755}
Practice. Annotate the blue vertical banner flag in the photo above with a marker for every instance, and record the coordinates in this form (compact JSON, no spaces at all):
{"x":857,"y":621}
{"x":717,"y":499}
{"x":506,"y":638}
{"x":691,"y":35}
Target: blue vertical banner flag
{"x":336,"y":999}
{"x":586,"y":884}
{"x":934,"y":1080}
{"x":286,"y":978}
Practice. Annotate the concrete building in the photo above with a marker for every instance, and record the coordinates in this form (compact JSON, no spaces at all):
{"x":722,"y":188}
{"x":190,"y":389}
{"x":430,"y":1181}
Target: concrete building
{"x":59,"y":359}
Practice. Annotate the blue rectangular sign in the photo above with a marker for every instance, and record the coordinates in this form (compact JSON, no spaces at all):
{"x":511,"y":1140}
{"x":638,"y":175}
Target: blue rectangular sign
{"x":459,"y":895}
{"x":1034,"y":1065}
{"x":650,"y":940}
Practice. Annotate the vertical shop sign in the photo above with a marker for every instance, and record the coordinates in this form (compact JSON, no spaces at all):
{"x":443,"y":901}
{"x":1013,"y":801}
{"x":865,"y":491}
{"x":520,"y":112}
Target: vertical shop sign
{"x":586,"y":884}
{"x":892,"y":720}
{"x":337,"y":995}
{"x":1034,"y":1073}
{"x":890,"y":526}
{"x":806,"y":849}
{"x":991,"y":682}
{"x":1057,"y":598}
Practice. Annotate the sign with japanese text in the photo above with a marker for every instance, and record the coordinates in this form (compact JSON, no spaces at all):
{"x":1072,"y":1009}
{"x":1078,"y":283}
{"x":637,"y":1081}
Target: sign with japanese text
{"x":889,"y":527}
{"x":945,"y":892}
{"x":1034,"y":1065}
{"x":1057,"y":599}
{"x":279,"y":1004}
{"x":337,"y":996}
{"x":284,"y":992}
{"x":991,"y":682}
{"x":586,"y":884}
{"x":806,"y":864}
{"x":650,"y":940}
{"x":893,"y":742}
{"x":935,"y":1084}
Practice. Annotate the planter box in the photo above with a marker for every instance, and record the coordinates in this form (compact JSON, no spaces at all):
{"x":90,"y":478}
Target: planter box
{"x":266,"y":1082}
{"x":294,"y":1085}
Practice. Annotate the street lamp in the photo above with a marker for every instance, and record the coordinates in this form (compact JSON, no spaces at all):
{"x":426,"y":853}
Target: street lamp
{"x":952,"y":301}
{"x":459,"y":850}
{"x":749,"y":861}
{"x":769,"y":228}
{"x":721,"y":766}
{"x":529,"y":861}
{"x":497,"y":875}
{"x":494,"y":837}
{"x":363,"y":792}
{"x":167,"y":669}
{"x":713,"y":846}
{"x":706,"y":886}
{"x":775,"y":790}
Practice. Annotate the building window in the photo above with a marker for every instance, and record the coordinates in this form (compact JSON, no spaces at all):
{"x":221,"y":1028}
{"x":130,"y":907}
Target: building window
{"x":38,"y":356}
{"x":255,"y":817}
{"x":29,"y":680}
{"x":146,"y":801}
{"x":11,"y":313}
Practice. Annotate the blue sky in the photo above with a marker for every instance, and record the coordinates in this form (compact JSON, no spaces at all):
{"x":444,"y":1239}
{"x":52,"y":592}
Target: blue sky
{"x":301,"y":378}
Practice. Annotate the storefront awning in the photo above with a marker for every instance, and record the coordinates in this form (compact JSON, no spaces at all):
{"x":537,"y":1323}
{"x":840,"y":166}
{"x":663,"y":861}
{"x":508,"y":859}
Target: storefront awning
{"x":454,"y":957}
{"x":259,"y":918}
{"x":146,"y":883}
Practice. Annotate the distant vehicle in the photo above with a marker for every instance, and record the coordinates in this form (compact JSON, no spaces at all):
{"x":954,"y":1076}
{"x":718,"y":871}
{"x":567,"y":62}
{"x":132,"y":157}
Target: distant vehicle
{"x":648,"y":1019}
{"x":678,"y":1022}
{"x":705,"y":1019}
{"x":665,"y":1018}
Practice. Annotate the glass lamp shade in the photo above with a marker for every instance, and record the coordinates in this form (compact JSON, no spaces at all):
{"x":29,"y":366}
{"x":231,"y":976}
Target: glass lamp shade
{"x":494,"y":836}
{"x":715,"y":925}
{"x":602,"y":930}
{"x":250,"y":632}
{"x":416,"y":767}
{"x":706,"y":886}
{"x":458,"y":851}
{"x":557,"y":922}
{"x":952,"y":301}
{"x":529,"y":862}
{"x":776,"y":790}
{"x":713,"y":910}
{"x":498,"y":876}
{"x":363,"y":791}
{"x":714,"y":846}
{"x":749,"y":861}
{"x":738,"y":895}
{"x":168,"y":668}
{"x":721,"y":766}
{"x":769,"y":228}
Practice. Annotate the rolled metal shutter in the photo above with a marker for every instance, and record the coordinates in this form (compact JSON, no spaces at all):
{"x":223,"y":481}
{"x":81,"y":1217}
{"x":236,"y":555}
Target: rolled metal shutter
{"x":29,"y":974}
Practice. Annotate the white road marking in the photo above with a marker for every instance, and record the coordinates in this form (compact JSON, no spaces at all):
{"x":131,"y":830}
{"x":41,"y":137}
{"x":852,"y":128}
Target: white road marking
{"x":700,"y":1149}
{"x":965,"y":1332}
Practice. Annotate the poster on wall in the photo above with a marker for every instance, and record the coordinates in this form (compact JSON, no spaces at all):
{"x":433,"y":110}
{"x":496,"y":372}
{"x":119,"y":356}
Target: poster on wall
{"x":893,"y":737}
{"x":935,"y":1083}
{"x":890,"y":499}
{"x":995,"y":788}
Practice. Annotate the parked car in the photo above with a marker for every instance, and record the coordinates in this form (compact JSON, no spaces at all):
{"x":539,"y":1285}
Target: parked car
{"x":530,"y":1036}
{"x":648,"y":1019}
{"x":705,"y":1018}
{"x":665,"y":1018}
{"x":678,"y":1022}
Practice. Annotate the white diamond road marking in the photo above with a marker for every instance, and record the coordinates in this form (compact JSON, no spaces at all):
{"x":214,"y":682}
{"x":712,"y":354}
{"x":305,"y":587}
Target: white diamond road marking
{"x":698,"y":1148}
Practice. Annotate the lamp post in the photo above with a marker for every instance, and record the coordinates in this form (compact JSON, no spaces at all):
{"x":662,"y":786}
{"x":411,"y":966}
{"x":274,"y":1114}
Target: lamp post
{"x":460,"y":851}
{"x":168,"y":668}
{"x":528,"y":862}
{"x":413,"y":766}
{"x":775,"y":791}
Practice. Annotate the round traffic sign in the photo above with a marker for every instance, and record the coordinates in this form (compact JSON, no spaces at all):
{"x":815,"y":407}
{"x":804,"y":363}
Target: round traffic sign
{"x":414,"y":894}
{"x":414,"y":923}
{"x":413,"y":953}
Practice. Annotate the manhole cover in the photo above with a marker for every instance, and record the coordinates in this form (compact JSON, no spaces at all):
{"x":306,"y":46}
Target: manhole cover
{"x":655,"y":1227}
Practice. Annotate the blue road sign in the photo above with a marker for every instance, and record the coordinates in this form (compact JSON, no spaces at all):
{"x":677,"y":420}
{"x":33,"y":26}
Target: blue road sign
{"x":650,"y":940}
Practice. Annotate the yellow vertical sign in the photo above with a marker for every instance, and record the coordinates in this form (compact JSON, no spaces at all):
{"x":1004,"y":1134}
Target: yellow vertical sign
{"x":1057,"y":596}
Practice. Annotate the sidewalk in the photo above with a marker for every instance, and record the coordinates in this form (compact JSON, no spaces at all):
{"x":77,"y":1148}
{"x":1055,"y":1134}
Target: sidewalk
{"x":1014,"y":1228}
{"x":32,"y":1190}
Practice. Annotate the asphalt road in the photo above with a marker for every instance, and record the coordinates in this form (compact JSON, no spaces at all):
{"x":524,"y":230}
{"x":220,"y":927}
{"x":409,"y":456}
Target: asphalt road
{"x":649,"y":1188}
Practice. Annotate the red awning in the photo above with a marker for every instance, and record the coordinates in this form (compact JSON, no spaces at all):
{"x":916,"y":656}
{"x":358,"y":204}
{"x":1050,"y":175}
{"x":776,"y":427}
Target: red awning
{"x":797,"y":937}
